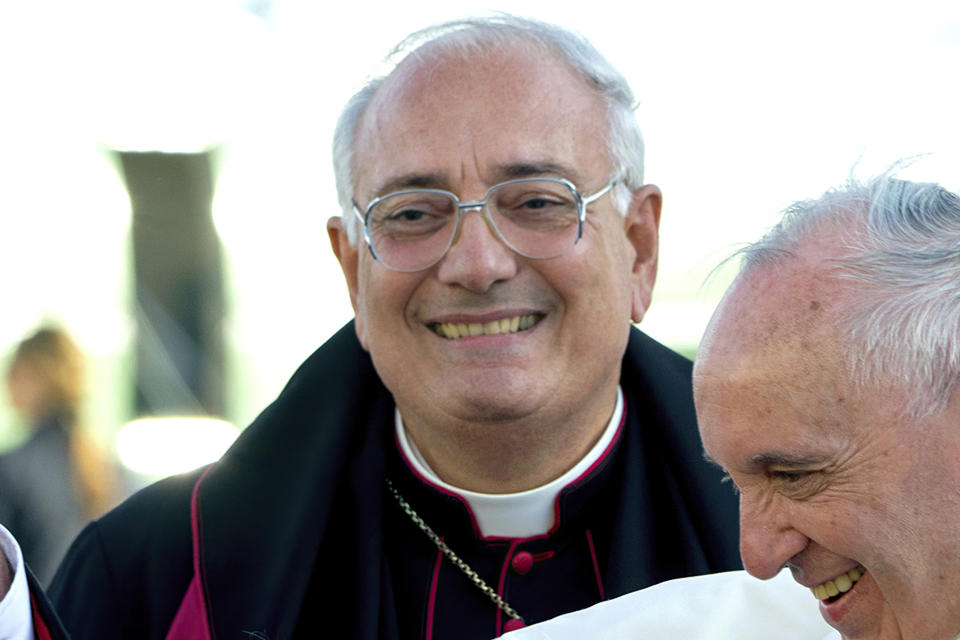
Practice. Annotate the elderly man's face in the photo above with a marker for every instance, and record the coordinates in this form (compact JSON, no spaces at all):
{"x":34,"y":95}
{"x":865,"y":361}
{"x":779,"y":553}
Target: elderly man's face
{"x":832,"y":480}
{"x":463,"y":126}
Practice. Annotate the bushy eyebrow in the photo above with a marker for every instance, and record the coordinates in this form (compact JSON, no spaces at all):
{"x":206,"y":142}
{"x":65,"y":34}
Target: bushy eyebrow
{"x":788,"y":460}
{"x":511,"y":171}
{"x":769,"y":459}
{"x":528,"y":169}
{"x":412,"y":181}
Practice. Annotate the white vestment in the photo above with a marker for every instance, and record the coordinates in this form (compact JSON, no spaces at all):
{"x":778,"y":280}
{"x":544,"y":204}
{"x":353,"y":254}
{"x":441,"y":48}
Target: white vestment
{"x":720,"y":606}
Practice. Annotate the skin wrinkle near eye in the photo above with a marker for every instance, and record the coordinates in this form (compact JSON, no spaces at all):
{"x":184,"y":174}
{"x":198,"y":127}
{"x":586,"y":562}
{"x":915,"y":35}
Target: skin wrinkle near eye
{"x":790,"y":476}
{"x":825,"y":475}
{"x":803,"y":487}
{"x":808,"y":469}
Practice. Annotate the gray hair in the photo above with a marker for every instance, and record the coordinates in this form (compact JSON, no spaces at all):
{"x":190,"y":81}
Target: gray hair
{"x":476,"y":35}
{"x":900,"y":243}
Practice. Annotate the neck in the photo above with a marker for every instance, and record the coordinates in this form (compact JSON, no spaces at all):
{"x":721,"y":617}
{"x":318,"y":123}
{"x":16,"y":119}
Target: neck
{"x":509,"y":457}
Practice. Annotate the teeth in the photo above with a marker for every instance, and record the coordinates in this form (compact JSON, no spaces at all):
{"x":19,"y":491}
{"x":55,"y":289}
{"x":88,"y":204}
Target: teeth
{"x":453,"y":330}
{"x":840,"y":584}
{"x":843,"y":583}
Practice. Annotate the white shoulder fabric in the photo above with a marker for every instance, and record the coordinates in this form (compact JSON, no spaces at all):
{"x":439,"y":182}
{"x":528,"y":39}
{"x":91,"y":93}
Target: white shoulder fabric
{"x":720,"y":606}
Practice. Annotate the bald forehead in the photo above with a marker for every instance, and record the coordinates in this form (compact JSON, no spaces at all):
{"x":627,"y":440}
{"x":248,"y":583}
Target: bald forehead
{"x":785,"y":301}
{"x":787,"y":296}
{"x":434,"y":66}
{"x":776,"y":322}
{"x":437,"y":110}
{"x":428,"y":84}
{"x":775,"y":351}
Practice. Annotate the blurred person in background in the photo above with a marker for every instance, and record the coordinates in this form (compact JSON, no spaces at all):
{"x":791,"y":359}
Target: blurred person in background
{"x":58,"y":479}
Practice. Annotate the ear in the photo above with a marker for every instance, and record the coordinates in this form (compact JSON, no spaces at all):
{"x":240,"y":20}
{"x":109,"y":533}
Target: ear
{"x":349,"y":258}
{"x":642,"y":227}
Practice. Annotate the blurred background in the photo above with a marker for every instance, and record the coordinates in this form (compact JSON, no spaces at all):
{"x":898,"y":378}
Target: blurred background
{"x":165,"y":173}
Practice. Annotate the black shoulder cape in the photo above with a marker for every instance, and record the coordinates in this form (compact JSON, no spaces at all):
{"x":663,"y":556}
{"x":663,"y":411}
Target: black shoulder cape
{"x":302,"y":488}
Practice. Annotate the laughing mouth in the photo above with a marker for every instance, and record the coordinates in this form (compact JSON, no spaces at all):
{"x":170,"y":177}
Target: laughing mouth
{"x":455,"y":330}
{"x":832,"y":589}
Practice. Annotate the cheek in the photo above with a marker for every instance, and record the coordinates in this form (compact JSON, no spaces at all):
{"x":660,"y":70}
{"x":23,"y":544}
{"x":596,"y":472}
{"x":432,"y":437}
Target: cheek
{"x":382,"y":303}
{"x":618,"y":266}
{"x":366,"y":304}
{"x":599,"y":281}
{"x":849,"y":528}
{"x":595,"y":299}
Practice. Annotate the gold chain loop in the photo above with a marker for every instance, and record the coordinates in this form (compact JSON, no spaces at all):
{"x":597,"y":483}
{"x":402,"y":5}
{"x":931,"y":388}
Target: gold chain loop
{"x":453,"y":557}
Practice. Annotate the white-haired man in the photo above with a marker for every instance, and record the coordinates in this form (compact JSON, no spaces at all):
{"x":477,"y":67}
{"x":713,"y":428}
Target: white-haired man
{"x":490,"y":442}
{"x":828,"y":387}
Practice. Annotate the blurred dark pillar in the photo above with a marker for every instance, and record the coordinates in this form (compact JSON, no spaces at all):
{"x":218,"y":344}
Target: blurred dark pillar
{"x":178,"y":283}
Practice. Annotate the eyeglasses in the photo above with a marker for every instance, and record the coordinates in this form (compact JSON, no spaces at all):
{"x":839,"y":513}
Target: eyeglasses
{"x":412,"y":230}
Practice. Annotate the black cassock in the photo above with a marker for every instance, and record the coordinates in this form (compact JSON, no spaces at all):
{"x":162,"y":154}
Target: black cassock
{"x":298,"y":536}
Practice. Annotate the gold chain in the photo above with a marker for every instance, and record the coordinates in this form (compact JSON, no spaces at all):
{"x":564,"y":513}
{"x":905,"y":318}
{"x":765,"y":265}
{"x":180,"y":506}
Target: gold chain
{"x":454,"y":558}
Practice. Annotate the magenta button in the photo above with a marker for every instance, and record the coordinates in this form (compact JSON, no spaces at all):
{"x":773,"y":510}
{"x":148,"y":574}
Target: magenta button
{"x":513,"y":624}
{"x":522,"y":562}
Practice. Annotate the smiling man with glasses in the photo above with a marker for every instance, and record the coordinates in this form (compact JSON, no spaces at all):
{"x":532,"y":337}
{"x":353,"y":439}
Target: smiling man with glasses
{"x":490,"y":443}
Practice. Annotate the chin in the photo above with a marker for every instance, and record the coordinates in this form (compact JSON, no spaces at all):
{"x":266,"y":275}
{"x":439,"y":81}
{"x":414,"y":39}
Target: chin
{"x":494,"y":409}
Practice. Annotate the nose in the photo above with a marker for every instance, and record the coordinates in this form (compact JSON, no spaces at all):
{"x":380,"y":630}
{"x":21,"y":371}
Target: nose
{"x":478,"y":258}
{"x":767,"y":540}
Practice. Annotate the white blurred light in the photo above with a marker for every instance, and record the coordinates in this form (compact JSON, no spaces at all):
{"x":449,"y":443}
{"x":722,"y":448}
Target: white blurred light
{"x":163,"y":446}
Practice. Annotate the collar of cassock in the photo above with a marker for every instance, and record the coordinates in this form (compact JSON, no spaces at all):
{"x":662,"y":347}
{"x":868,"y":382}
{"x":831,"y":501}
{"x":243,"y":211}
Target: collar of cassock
{"x":513,"y":515}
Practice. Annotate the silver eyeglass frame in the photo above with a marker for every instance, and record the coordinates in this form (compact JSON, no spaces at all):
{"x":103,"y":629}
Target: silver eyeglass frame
{"x":581,"y":200}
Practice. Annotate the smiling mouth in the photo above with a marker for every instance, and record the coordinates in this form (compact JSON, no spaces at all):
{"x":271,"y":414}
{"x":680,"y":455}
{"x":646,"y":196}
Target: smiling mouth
{"x":456,"y":330}
{"x":832,"y":590}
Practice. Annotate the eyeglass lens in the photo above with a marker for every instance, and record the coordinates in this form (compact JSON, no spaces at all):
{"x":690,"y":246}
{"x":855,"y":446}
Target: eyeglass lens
{"x":411,"y":230}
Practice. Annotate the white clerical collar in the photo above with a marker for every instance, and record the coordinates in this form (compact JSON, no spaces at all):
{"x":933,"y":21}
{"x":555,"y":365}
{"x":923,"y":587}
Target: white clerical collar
{"x":514,"y":515}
